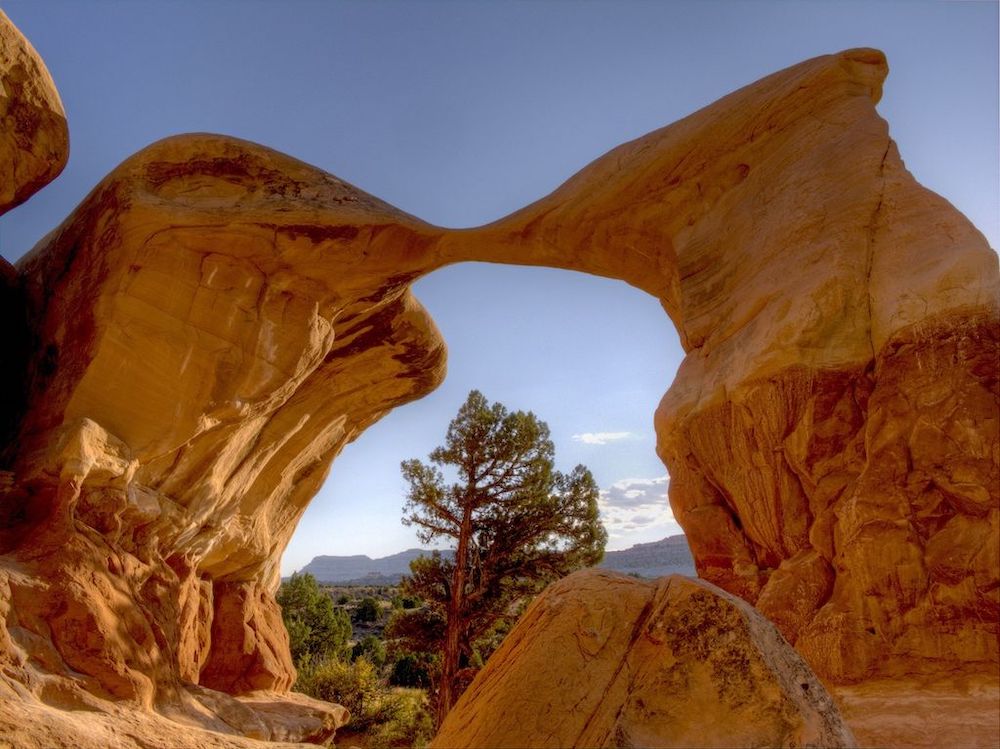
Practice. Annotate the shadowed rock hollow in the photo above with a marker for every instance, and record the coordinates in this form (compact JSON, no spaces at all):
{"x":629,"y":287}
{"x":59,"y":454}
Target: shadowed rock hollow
{"x":216,"y":321}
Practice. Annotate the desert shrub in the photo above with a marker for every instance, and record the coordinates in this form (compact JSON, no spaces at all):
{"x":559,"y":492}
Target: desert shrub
{"x":411,"y":670}
{"x":401,"y":601}
{"x":367,"y":611}
{"x":357,"y":686}
{"x":372,"y":648}
{"x":412,"y":726}
{"x":316,"y":628}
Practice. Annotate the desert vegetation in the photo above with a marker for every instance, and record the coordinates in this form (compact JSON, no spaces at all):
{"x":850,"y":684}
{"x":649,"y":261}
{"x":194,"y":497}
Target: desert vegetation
{"x":388,"y":653}
{"x":342,"y":655}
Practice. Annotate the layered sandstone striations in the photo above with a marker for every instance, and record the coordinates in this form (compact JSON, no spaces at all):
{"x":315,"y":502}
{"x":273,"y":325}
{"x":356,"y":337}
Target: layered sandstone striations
{"x":216,"y":320}
{"x":604,"y":660}
{"x":213,"y":324}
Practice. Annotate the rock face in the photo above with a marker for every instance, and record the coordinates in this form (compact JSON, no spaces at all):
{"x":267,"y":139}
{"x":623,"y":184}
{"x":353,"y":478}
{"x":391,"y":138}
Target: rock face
{"x":34,"y":139}
{"x":832,"y":433}
{"x":213,"y":324}
{"x":216,"y":321}
{"x":604,"y":660}
{"x":34,"y":148}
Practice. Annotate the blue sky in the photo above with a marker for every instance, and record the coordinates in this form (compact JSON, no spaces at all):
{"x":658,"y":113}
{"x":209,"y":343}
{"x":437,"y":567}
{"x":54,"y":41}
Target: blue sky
{"x":460,"y":112}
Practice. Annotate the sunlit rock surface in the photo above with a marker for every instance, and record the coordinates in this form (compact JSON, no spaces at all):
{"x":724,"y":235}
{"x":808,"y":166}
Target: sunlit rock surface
{"x":832,"y":433}
{"x":604,"y":660}
{"x":34,"y":139}
{"x":213,"y":324}
{"x":206,"y":331}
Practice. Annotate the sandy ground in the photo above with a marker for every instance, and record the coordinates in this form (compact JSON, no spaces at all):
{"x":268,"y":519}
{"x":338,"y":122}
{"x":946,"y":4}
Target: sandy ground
{"x":962,"y":713}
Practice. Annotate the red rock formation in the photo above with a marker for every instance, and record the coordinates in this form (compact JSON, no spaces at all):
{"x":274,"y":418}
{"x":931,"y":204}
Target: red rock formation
{"x":216,"y":320}
{"x":34,"y":139}
{"x":200,"y":362}
{"x":832,"y":433}
{"x":604,"y":660}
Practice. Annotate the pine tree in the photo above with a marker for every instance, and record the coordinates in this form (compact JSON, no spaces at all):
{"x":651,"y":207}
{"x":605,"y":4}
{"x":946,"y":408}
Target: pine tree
{"x":515,"y":522}
{"x":316,"y":628}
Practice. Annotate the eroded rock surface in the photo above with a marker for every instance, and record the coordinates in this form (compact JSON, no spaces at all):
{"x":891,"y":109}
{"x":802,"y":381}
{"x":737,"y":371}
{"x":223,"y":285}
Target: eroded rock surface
{"x":34,"y":138}
{"x":216,"y":321}
{"x":604,"y":660}
{"x":832,"y":433}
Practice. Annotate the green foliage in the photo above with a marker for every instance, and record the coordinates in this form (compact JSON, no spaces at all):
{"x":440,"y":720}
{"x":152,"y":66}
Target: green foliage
{"x":412,"y":670}
{"x":367,"y":611}
{"x":417,"y":630}
{"x":405,"y":602}
{"x":316,"y":629}
{"x":372,"y":649}
{"x":357,"y":686}
{"x":516,"y":522}
{"x":412,"y":726}
{"x":387,"y":717}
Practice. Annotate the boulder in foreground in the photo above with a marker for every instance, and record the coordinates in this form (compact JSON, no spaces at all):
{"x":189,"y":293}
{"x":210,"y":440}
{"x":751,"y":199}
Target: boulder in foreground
{"x":603,"y":660}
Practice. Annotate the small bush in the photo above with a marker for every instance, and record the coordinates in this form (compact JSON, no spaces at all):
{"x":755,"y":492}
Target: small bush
{"x":409,"y":670}
{"x":356,"y":686}
{"x":367,"y":611}
{"x":371,"y":648}
{"x":413,"y":726}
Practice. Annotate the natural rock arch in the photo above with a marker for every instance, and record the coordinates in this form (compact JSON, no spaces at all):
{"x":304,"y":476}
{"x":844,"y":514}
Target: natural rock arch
{"x":216,"y":320}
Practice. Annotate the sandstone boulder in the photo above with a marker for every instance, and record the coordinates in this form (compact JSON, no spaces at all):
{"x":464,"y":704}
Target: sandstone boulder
{"x":604,"y":660}
{"x":34,"y":148}
{"x":34,"y":138}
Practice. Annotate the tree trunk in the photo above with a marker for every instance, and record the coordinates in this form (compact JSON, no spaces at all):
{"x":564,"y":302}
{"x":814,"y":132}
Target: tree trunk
{"x":453,"y":626}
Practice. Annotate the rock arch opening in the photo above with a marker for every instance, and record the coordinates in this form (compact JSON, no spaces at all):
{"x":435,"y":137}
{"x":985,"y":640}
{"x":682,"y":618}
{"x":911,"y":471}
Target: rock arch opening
{"x":588,"y":355}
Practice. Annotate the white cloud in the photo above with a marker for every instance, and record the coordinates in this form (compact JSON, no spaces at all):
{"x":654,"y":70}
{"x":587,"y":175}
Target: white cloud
{"x":636,"y":507}
{"x":634,"y":493}
{"x":600,"y":438}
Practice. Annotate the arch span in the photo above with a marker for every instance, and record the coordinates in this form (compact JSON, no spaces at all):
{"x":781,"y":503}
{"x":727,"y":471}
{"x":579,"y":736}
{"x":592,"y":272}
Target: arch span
{"x":216,"y":320}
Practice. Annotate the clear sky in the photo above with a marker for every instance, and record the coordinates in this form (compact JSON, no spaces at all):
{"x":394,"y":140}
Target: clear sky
{"x":460,"y":112}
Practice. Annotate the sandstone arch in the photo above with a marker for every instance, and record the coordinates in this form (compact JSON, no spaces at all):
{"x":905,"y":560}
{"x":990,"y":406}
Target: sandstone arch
{"x":216,"y":320}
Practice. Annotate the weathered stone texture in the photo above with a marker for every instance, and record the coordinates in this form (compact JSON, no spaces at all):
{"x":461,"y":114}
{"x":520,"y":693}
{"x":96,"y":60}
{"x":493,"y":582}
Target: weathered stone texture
{"x":207,"y":330}
{"x":34,"y":139}
{"x":833,"y":428}
{"x":604,"y":660}
{"x":210,"y":332}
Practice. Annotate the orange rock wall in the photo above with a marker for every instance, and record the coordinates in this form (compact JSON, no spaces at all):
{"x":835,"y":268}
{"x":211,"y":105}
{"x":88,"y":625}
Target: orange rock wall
{"x":833,"y":427}
{"x":199,"y":363}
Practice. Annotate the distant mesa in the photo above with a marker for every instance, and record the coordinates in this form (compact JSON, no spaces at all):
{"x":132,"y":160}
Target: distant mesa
{"x":361,"y":569}
{"x":667,"y":556}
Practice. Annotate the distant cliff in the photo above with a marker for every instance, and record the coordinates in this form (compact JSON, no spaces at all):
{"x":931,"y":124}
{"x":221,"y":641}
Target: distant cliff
{"x":667,"y":556}
{"x":362,"y":569}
